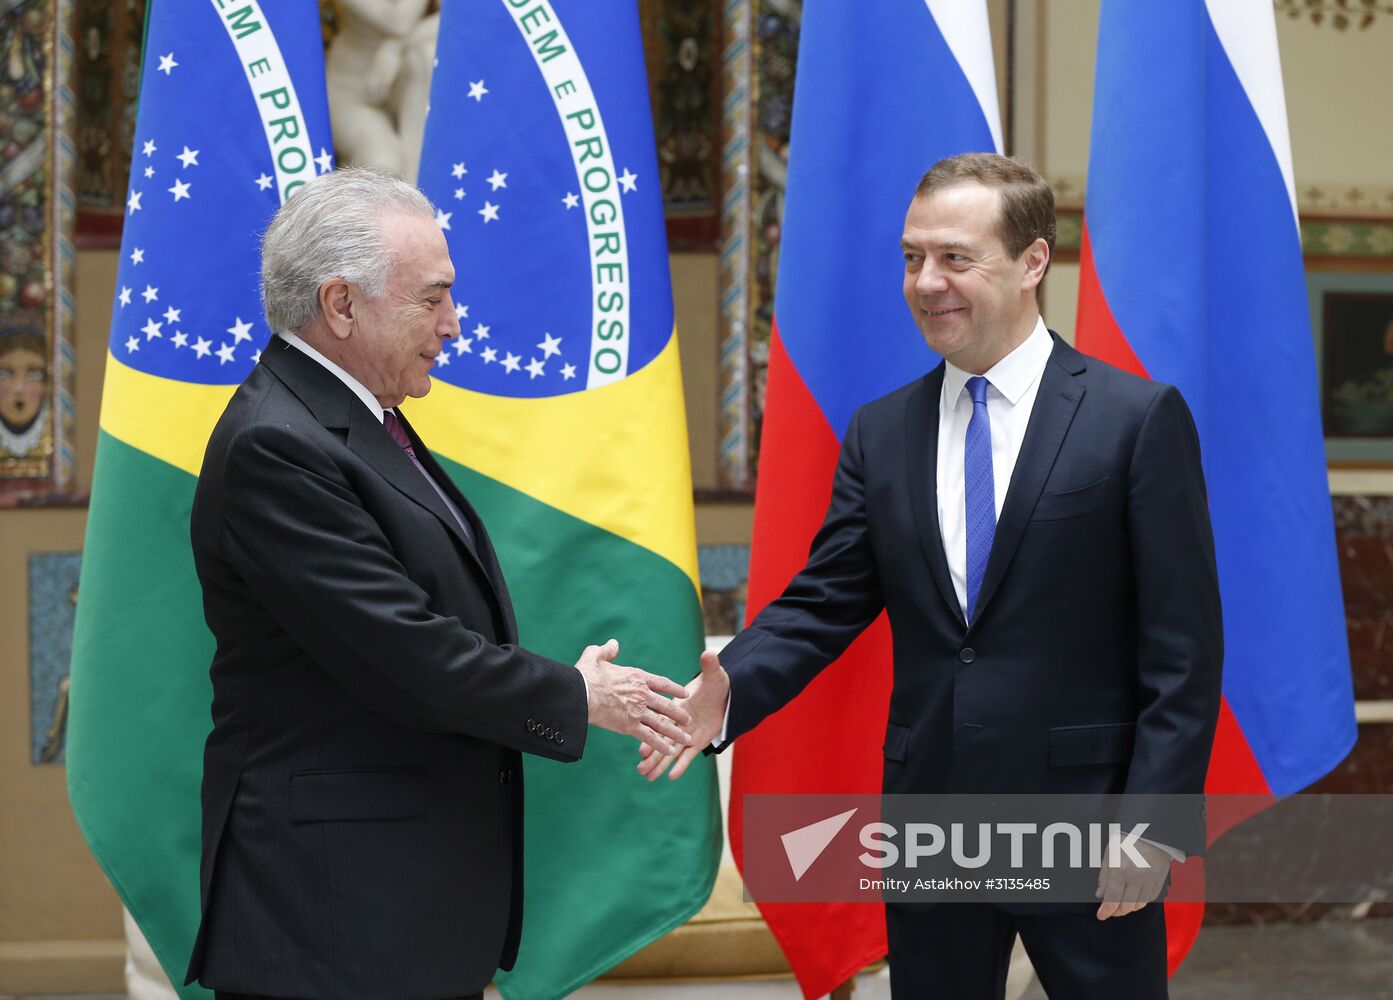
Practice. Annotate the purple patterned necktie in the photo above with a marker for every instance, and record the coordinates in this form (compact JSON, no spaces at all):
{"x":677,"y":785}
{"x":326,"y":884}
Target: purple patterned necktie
{"x":979,"y":491}
{"x":394,"y":427}
{"x":399,"y":435}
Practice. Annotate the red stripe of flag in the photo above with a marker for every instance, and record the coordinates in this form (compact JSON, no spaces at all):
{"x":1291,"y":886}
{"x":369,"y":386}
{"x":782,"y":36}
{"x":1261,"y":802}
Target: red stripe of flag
{"x":791,"y":751}
{"x":1232,"y":767}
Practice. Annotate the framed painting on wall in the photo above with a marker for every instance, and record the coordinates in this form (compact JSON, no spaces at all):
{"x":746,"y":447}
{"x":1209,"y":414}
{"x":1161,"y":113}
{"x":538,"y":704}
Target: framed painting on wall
{"x":1352,"y":317}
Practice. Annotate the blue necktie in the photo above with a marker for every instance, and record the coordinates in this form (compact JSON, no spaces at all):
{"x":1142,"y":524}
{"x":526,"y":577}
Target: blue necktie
{"x":979,"y":489}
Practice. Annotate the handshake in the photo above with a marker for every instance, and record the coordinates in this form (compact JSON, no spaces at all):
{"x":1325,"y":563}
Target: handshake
{"x":672,"y":723}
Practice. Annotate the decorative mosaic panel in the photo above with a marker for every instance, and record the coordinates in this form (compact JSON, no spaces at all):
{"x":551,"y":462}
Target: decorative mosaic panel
{"x":36,"y":253}
{"x":108,"y":35}
{"x":52,"y":608}
{"x":761,"y":56}
{"x":725,"y":571}
{"x":682,"y":43}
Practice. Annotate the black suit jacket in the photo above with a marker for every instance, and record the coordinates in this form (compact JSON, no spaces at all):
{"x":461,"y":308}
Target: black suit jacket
{"x":362,"y":785}
{"x":1093,"y":663}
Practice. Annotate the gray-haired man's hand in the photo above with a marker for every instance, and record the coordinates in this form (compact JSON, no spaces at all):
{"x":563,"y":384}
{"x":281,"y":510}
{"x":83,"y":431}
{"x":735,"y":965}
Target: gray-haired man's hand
{"x":632,"y":701}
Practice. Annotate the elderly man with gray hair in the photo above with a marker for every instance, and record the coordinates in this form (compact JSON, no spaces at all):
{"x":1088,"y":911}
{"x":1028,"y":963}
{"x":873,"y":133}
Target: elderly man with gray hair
{"x":362,"y":785}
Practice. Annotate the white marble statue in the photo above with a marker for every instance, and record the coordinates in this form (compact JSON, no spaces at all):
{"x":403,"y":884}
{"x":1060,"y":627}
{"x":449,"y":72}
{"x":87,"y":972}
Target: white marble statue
{"x":378,"y":72}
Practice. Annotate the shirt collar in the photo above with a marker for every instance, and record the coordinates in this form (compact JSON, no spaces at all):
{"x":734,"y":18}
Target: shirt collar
{"x":1013,"y":374}
{"x":359,"y":390}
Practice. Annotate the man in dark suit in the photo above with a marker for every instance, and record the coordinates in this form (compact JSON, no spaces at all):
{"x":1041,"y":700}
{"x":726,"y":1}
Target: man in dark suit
{"x":362,"y":787}
{"x":1035,"y":523}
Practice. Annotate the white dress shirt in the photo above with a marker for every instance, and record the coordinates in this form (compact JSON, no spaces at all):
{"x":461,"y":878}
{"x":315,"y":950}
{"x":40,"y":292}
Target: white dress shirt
{"x":1013,"y":383}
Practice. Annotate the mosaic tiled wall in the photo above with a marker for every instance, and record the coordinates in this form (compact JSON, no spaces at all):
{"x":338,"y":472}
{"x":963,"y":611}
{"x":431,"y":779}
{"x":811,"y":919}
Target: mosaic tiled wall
{"x":36,"y":255}
{"x":724,"y":569}
{"x":52,"y":608}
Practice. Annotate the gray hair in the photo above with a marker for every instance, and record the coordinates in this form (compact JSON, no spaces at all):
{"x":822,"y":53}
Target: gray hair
{"x":331,"y":228}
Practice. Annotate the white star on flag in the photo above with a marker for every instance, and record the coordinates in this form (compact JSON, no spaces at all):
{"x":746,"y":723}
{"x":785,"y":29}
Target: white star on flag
{"x":171,"y":315}
{"x":462,"y":346}
{"x":461,"y":311}
{"x":568,"y":372}
{"x":149,"y":171}
{"x":511,"y":362}
{"x":180,"y":190}
{"x":489,"y":355}
{"x":264,"y":182}
{"x":256,"y":356}
{"x":550,"y":345}
{"x":325,"y":160}
{"x":458,"y":171}
{"x":132,"y":344}
{"x":149,"y":148}
{"x":442,"y":358}
{"x":151,"y":329}
{"x":137,"y":256}
{"x":202,"y":347}
{"x":133,"y":203}
{"x":189,"y":157}
{"x":180,"y":339}
{"x":442,"y":219}
{"x":535,"y":367}
{"x":482,"y":332}
{"x":150,"y":294}
{"x":628,"y":180}
{"x":571,"y":200}
{"x":225,"y":354}
{"x":125,"y":297}
{"x":498,"y":180}
{"x":167,"y":64}
{"x":240,"y":331}
{"x":489,"y":212}
{"x":459,"y":194}
{"x":477,"y":90}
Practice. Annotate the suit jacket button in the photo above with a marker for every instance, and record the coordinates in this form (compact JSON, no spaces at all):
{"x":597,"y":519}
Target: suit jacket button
{"x":505,"y":775}
{"x":531,"y":725}
{"x":560,"y":739}
{"x":967,"y":654}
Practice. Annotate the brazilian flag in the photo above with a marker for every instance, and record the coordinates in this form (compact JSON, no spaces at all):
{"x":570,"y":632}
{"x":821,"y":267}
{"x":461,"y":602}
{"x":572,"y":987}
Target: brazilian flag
{"x":232,"y":119}
{"x":558,"y":410}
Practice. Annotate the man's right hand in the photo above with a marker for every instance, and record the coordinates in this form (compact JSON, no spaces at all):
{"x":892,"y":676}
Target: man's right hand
{"x":708,"y":696}
{"x":631,"y":701}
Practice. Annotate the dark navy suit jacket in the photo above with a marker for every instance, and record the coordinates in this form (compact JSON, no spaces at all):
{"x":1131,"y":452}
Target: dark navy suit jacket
{"x":1093,"y":664}
{"x":362,"y":785}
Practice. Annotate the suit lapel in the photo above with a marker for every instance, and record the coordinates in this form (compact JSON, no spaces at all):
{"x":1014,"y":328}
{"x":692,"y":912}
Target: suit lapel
{"x":921,"y":472}
{"x":335,"y":406}
{"x":1055,"y":405}
{"x":483,"y":551}
{"x":371,"y":442}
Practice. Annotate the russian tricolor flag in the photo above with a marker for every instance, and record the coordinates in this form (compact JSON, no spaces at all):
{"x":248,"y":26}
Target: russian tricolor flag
{"x":1192,"y":274}
{"x":884,"y":90}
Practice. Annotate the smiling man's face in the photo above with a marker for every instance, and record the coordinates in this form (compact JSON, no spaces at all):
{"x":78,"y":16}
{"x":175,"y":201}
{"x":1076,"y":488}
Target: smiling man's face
{"x":972,"y":302}
{"x":397,"y":335}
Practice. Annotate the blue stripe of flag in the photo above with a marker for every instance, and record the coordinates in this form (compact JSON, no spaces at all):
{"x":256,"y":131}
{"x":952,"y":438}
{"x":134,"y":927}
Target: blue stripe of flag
{"x":879,"y":98}
{"x":1199,"y":258}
